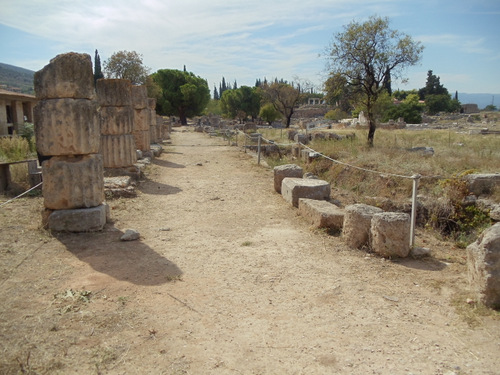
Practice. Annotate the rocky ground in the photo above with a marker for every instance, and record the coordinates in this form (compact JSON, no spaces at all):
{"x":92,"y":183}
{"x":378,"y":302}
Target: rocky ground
{"x":227,"y":279}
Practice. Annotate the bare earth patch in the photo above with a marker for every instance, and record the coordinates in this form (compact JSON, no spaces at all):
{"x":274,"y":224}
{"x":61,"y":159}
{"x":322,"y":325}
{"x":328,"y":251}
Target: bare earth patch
{"x":227,"y":279}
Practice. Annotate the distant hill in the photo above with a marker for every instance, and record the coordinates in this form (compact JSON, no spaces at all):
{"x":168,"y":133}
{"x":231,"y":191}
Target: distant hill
{"x":482,"y":100}
{"x":16,"y":79}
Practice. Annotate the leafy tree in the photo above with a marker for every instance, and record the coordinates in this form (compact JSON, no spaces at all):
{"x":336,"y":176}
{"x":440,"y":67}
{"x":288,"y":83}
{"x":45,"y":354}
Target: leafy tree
{"x":182,"y":93}
{"x":269,"y":114}
{"x":126,"y":65}
{"x":339,"y":93}
{"x":283,"y":97}
{"x":216,"y":94}
{"x":97,"y":67}
{"x":365,"y":53}
{"x":491,"y":108}
{"x":241,"y":103}
{"x":410,"y":109}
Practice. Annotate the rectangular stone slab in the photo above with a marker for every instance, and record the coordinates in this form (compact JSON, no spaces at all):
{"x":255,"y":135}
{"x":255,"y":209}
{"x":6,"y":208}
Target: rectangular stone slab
{"x":78,"y":220}
{"x":322,"y":214}
{"x":294,"y":188}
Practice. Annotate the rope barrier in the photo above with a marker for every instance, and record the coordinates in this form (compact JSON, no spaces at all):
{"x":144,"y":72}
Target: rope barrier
{"x":20,"y":195}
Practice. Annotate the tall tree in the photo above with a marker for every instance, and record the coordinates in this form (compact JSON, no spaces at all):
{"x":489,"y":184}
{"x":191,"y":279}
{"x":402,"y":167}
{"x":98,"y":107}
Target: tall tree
{"x":241,"y":103}
{"x":216,"y":94}
{"x":283,"y":97}
{"x":365,"y":53}
{"x":182,"y":93}
{"x":97,"y":67}
{"x":126,"y":65}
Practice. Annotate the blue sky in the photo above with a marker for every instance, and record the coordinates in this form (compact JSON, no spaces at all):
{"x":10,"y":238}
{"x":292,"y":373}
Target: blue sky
{"x":250,"y":39}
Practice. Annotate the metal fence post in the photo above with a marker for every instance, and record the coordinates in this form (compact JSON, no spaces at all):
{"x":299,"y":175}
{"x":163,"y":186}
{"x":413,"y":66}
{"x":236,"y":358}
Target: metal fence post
{"x":416,"y":179}
{"x":258,"y":150}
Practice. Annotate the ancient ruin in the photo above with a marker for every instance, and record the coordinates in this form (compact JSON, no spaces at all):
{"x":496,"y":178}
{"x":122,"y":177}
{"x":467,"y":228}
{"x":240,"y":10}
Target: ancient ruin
{"x":68,"y":139}
{"x":116,"y":119}
{"x":141,"y":131}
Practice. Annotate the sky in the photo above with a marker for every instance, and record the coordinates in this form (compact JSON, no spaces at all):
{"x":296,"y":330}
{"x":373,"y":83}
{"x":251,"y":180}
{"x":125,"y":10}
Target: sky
{"x":242,"y":40}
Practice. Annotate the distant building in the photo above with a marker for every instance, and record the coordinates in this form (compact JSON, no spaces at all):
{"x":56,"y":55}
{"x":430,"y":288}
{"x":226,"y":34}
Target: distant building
{"x":15,"y":110}
{"x":469,"y":108}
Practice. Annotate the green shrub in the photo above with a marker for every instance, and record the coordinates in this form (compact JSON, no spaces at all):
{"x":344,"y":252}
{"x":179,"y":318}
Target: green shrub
{"x":14,"y":148}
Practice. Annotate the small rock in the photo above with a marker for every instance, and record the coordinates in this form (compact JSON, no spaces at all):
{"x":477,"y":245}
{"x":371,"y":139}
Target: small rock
{"x":164,"y":229}
{"x":130,"y":235}
{"x":420,"y":252}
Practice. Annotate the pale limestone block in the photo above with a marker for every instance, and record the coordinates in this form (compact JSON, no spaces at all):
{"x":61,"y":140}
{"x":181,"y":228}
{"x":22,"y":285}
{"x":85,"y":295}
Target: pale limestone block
{"x":286,"y":170}
{"x":390,"y":234}
{"x":67,"y":75}
{"x":357,"y":224}
{"x":114,"y":92}
{"x":294,"y":188}
{"x":90,"y":219}
{"x":483,"y":184}
{"x":322,"y":214}
{"x":483,"y":262}
{"x":73,"y":182}
{"x":67,"y":127}
{"x":118,"y":150}
{"x":139,"y":96}
{"x":116,"y":120}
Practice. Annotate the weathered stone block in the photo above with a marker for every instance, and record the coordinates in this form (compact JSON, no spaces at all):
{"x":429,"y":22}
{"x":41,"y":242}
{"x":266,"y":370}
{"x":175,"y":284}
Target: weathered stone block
{"x":287,"y":170}
{"x":141,"y":119}
{"x":73,"y":182}
{"x":113,"y":92}
{"x":294,"y":188}
{"x":302,"y":138}
{"x":152,"y":103}
{"x":357,"y":224}
{"x":67,"y":75}
{"x":142,"y":139}
{"x":139,"y":96}
{"x":390,"y":234}
{"x":116,"y":120}
{"x":118,"y":150}
{"x":483,"y":260}
{"x":322,"y":214}
{"x":481,"y":184}
{"x":66,"y":127}
{"x":79,"y":220}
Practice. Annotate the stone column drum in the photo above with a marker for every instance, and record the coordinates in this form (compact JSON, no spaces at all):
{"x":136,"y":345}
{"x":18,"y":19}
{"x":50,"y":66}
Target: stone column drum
{"x":116,"y":119}
{"x":141,"y":129}
{"x":152,"y":120}
{"x":67,"y":133}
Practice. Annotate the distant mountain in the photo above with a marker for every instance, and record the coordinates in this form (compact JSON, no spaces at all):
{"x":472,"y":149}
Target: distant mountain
{"x":15,"y":78}
{"x":482,"y":100}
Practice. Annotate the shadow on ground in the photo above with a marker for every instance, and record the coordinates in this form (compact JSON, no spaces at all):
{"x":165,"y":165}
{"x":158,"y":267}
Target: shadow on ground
{"x":131,"y":261}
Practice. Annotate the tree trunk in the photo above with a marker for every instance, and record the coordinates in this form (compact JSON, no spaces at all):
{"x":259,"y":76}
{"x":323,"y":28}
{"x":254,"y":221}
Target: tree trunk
{"x":182,"y":117}
{"x":371,"y":132}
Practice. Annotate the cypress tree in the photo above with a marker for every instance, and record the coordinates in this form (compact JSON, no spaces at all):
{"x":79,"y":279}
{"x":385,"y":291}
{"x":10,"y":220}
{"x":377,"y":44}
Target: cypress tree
{"x":97,"y":68}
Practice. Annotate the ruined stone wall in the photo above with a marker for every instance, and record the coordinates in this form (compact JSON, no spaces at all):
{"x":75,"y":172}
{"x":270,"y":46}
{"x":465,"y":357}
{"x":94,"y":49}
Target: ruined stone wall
{"x":117,"y":121}
{"x":141,"y":131}
{"x":68,"y":135}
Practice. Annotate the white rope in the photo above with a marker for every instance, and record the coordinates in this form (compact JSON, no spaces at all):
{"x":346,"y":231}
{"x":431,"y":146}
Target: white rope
{"x":20,"y":195}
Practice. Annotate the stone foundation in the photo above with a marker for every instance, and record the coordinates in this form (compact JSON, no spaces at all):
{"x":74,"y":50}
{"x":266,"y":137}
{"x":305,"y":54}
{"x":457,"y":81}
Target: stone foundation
{"x":283,"y":171}
{"x":390,"y":234}
{"x":322,"y":214}
{"x":294,"y":188}
{"x":357,"y":224}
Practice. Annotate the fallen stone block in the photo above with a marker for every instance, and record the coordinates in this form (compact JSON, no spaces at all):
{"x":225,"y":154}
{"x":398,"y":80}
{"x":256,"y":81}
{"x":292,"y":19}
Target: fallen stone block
{"x":283,"y":171}
{"x":390,"y":234}
{"x":357,"y":224}
{"x":481,"y":184}
{"x":322,"y":214}
{"x":483,"y":262}
{"x":294,"y":188}
{"x":79,"y":220}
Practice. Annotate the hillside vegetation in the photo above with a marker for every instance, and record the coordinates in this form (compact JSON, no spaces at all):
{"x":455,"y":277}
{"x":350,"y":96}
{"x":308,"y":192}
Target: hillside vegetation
{"x":15,"y":77}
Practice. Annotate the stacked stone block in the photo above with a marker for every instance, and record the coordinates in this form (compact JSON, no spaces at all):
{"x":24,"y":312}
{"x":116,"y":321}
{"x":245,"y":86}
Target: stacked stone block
{"x":357,"y":224}
{"x":117,"y":120}
{"x":152,"y":121}
{"x":68,"y":137}
{"x":141,"y":131}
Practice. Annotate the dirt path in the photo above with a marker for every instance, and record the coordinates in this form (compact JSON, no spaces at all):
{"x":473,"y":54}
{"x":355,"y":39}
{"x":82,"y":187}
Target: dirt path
{"x":226,"y":279}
